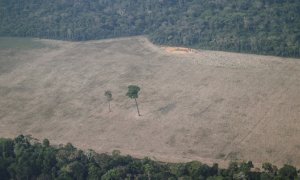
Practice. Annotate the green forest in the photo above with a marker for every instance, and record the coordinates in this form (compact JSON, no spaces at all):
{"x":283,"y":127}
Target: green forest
{"x":26,"y":158}
{"x":252,"y":26}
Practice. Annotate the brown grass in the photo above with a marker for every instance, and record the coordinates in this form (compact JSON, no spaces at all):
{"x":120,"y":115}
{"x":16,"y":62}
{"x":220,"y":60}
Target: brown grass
{"x":209,"y":106}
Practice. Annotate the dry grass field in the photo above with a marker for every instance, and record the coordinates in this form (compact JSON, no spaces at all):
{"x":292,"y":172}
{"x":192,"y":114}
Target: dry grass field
{"x":195,"y":105}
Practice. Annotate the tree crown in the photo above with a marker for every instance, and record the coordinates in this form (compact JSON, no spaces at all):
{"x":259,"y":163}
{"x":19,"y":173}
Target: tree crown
{"x":108,"y":95}
{"x":133,"y":91}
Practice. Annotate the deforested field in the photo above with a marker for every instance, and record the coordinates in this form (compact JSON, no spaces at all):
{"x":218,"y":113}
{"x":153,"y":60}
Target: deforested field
{"x":195,"y":105}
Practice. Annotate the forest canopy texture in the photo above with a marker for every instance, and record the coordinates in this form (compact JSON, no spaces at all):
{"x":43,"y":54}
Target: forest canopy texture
{"x":253,"y":26}
{"x":26,"y":158}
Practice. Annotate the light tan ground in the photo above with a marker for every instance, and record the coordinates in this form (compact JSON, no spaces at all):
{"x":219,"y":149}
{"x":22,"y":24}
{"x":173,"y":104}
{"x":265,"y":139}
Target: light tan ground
{"x":179,"y":50}
{"x":206,"y":105}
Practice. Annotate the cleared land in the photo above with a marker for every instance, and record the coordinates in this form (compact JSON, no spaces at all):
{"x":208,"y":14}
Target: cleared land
{"x":199,"y":105}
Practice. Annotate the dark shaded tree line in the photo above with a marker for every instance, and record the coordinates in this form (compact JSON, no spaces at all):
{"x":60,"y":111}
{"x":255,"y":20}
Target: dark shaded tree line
{"x":253,"y":26}
{"x":26,"y":158}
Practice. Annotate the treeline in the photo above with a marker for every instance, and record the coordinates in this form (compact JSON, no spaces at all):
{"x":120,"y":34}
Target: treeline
{"x":26,"y":158}
{"x":254,"y":26}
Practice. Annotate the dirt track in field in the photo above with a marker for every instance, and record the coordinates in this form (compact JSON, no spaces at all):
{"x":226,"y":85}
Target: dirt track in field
{"x":201,"y":105}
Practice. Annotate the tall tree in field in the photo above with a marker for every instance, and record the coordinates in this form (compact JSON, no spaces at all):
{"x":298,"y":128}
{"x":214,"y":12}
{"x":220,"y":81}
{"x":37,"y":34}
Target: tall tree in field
{"x":109,"y":98}
{"x":133,"y":93}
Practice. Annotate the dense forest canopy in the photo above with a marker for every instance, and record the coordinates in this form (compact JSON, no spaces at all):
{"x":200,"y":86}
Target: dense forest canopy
{"x":27,"y":158}
{"x":254,"y":26}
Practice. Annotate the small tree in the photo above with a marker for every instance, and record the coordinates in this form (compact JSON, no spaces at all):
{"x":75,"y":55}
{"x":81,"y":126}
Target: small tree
{"x":133,"y":93}
{"x":109,"y":98}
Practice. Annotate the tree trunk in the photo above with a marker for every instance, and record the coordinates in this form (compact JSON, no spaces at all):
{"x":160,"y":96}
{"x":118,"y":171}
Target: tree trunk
{"x":137,"y":107}
{"x":109,"y":106}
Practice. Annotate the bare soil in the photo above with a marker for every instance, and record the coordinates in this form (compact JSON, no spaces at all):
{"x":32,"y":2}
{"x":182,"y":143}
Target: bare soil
{"x":180,"y":50}
{"x":205,"y":105}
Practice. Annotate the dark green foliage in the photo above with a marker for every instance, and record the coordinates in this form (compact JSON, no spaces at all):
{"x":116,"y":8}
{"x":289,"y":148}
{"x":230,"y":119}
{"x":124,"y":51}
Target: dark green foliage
{"x":254,"y":26}
{"x":133,"y":91}
{"x":46,"y":143}
{"x":288,"y":172}
{"x":26,"y":158}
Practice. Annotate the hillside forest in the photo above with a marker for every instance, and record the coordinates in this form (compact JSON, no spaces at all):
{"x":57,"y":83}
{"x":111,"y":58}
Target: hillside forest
{"x":26,"y":158}
{"x":252,"y":26}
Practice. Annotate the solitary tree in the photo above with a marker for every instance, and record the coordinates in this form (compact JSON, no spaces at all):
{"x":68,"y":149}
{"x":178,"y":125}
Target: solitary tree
{"x":109,"y":98}
{"x":133,"y":93}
